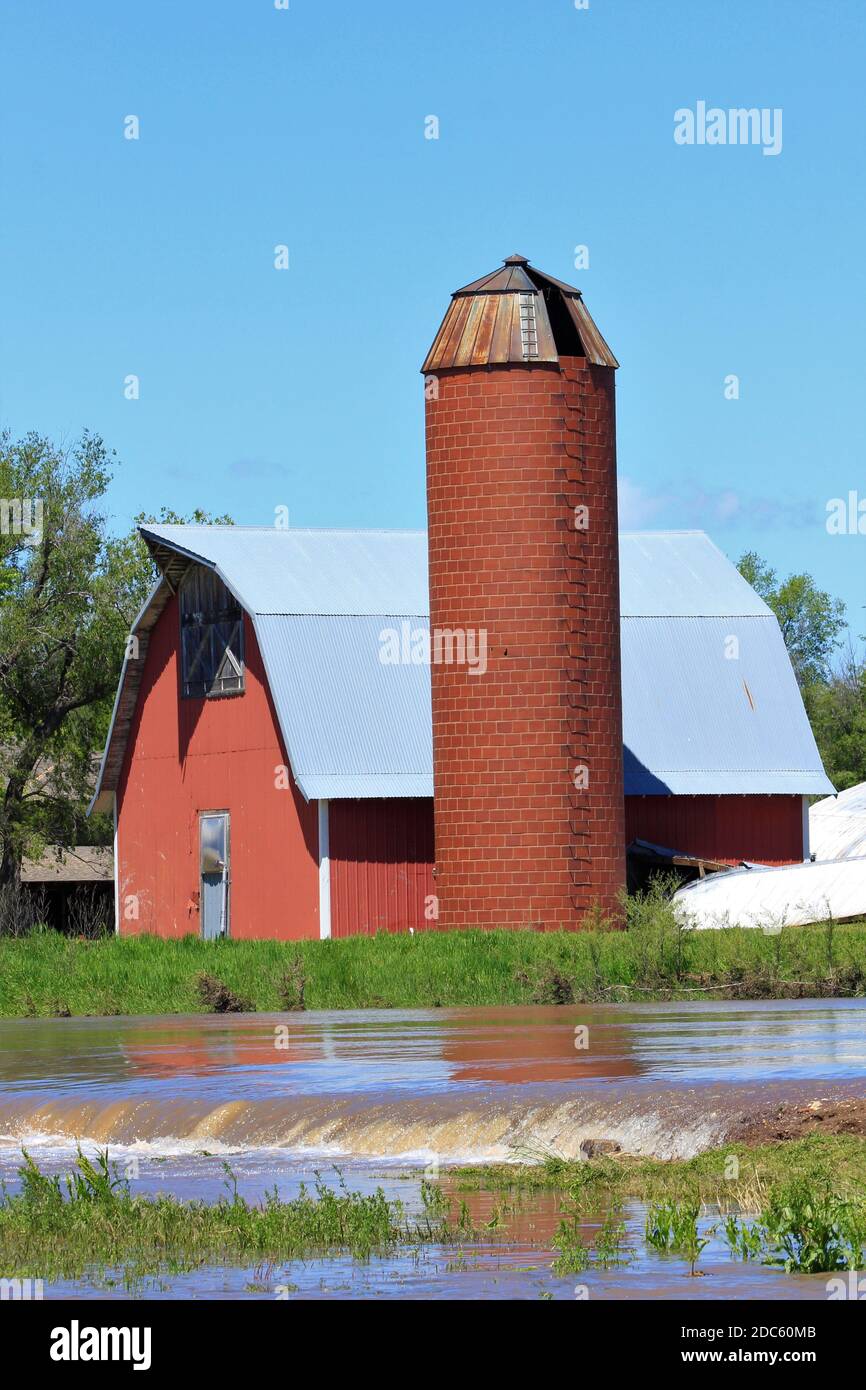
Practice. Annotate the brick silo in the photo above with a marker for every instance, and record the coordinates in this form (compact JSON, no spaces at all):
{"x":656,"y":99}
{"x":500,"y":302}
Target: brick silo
{"x":521,"y":494}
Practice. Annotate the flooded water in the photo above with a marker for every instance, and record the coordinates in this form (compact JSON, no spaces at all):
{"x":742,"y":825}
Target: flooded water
{"x":386,"y":1094}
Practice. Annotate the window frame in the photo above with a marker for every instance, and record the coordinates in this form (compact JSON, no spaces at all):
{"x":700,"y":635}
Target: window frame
{"x":220,"y":609}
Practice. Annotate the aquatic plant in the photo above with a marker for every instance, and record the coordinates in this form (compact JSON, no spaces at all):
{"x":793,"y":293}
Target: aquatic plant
{"x":61,"y":1226}
{"x":673,"y":1226}
{"x":810,"y":1229}
{"x":743,"y":1239}
{"x":607,"y":1249}
{"x":610,"y":1248}
{"x":574,"y":1256}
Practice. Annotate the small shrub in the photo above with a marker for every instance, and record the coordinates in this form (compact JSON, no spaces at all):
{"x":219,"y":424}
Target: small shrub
{"x":90,"y":912}
{"x":219,"y":999}
{"x":22,"y":911}
{"x":553,"y":988}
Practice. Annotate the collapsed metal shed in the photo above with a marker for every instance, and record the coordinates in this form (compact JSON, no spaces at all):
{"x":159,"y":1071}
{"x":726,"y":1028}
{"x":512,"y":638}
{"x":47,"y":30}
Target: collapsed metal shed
{"x":837,"y":825}
{"x":774,"y":898}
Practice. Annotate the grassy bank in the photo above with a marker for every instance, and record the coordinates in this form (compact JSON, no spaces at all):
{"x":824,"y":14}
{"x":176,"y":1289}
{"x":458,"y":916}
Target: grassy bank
{"x":46,"y":974}
{"x":737,"y":1175}
{"x":796,"y":1205}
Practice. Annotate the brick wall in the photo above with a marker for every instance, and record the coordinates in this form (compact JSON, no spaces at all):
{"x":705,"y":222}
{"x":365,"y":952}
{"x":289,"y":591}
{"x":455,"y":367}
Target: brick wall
{"x":511,"y":452}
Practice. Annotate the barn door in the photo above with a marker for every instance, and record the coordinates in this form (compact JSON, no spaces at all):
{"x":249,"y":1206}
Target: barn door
{"x":214,"y":862}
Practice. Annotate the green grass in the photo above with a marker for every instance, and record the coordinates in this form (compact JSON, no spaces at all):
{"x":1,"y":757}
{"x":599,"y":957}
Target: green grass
{"x":63,"y":1228}
{"x":810,"y":1197}
{"x":710,"y":1178}
{"x":47,"y":974}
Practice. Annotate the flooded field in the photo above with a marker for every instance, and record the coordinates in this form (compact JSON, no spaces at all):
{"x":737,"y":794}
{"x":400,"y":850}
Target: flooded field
{"x":386,"y":1096}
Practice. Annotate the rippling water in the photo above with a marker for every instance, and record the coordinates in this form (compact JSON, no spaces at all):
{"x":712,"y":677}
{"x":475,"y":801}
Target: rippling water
{"x":465,"y":1083}
{"x":384,"y":1093}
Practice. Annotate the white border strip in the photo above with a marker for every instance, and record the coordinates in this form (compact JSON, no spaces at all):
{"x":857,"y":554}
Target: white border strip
{"x":116,"y":871}
{"x":324,"y":873}
{"x":806,"y":847}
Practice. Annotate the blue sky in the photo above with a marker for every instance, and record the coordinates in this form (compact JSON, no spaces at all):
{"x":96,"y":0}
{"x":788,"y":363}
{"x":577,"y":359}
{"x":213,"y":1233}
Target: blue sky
{"x":262,"y":388}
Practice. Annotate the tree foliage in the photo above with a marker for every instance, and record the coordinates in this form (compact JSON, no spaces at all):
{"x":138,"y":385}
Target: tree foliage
{"x":833,"y":685}
{"x":68,"y":593}
{"x":811,"y":621}
{"x":837,"y":710}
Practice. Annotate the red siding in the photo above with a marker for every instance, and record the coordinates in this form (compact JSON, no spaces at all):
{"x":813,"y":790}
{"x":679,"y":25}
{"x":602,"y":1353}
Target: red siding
{"x":767,"y":829}
{"x":186,"y":756}
{"x":381,"y":865}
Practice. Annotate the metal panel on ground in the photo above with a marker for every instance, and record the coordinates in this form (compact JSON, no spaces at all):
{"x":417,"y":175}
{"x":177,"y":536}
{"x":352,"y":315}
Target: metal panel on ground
{"x":775,"y":898}
{"x":837,"y":825}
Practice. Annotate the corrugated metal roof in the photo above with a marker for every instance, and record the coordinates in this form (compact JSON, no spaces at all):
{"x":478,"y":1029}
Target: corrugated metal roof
{"x":694,"y":721}
{"x":662,"y":573}
{"x":837,"y":825}
{"x":681,"y":574}
{"x":353,"y":725}
{"x":775,"y":898}
{"x":274,"y":570}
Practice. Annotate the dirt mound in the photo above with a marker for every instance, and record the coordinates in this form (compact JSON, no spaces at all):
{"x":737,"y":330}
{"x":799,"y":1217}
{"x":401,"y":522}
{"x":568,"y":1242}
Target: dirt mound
{"x":789,"y":1121}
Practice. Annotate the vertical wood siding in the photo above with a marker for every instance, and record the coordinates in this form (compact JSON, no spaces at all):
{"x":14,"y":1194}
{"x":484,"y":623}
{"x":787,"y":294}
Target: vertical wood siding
{"x":381,"y":865}
{"x":766,"y":829}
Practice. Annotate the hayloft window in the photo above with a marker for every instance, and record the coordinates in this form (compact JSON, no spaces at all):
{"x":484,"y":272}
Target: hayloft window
{"x":211,"y":637}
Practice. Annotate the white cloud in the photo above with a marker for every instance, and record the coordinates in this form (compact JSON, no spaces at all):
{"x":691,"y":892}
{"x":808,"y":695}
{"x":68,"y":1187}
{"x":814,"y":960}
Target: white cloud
{"x":685,"y":505}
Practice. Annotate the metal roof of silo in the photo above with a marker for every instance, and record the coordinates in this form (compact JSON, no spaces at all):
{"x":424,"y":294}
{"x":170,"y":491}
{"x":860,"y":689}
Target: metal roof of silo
{"x":505,"y":316}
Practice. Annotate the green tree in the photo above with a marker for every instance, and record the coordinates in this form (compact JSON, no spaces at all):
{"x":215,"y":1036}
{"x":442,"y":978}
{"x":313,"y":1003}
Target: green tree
{"x":811,"y":621}
{"x":68,"y":593}
{"x":837,"y":710}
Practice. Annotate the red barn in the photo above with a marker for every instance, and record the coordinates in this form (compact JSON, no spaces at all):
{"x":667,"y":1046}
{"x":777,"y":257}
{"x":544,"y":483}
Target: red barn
{"x":270,"y":755}
{"x":274,"y":746}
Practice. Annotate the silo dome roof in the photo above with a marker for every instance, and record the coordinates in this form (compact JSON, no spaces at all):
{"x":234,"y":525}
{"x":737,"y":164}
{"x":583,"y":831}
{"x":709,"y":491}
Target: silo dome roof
{"x":516,"y":314}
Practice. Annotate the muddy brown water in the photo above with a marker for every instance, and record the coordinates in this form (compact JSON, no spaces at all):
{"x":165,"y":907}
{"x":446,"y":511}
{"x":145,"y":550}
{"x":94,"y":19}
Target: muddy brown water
{"x":385,"y":1095}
